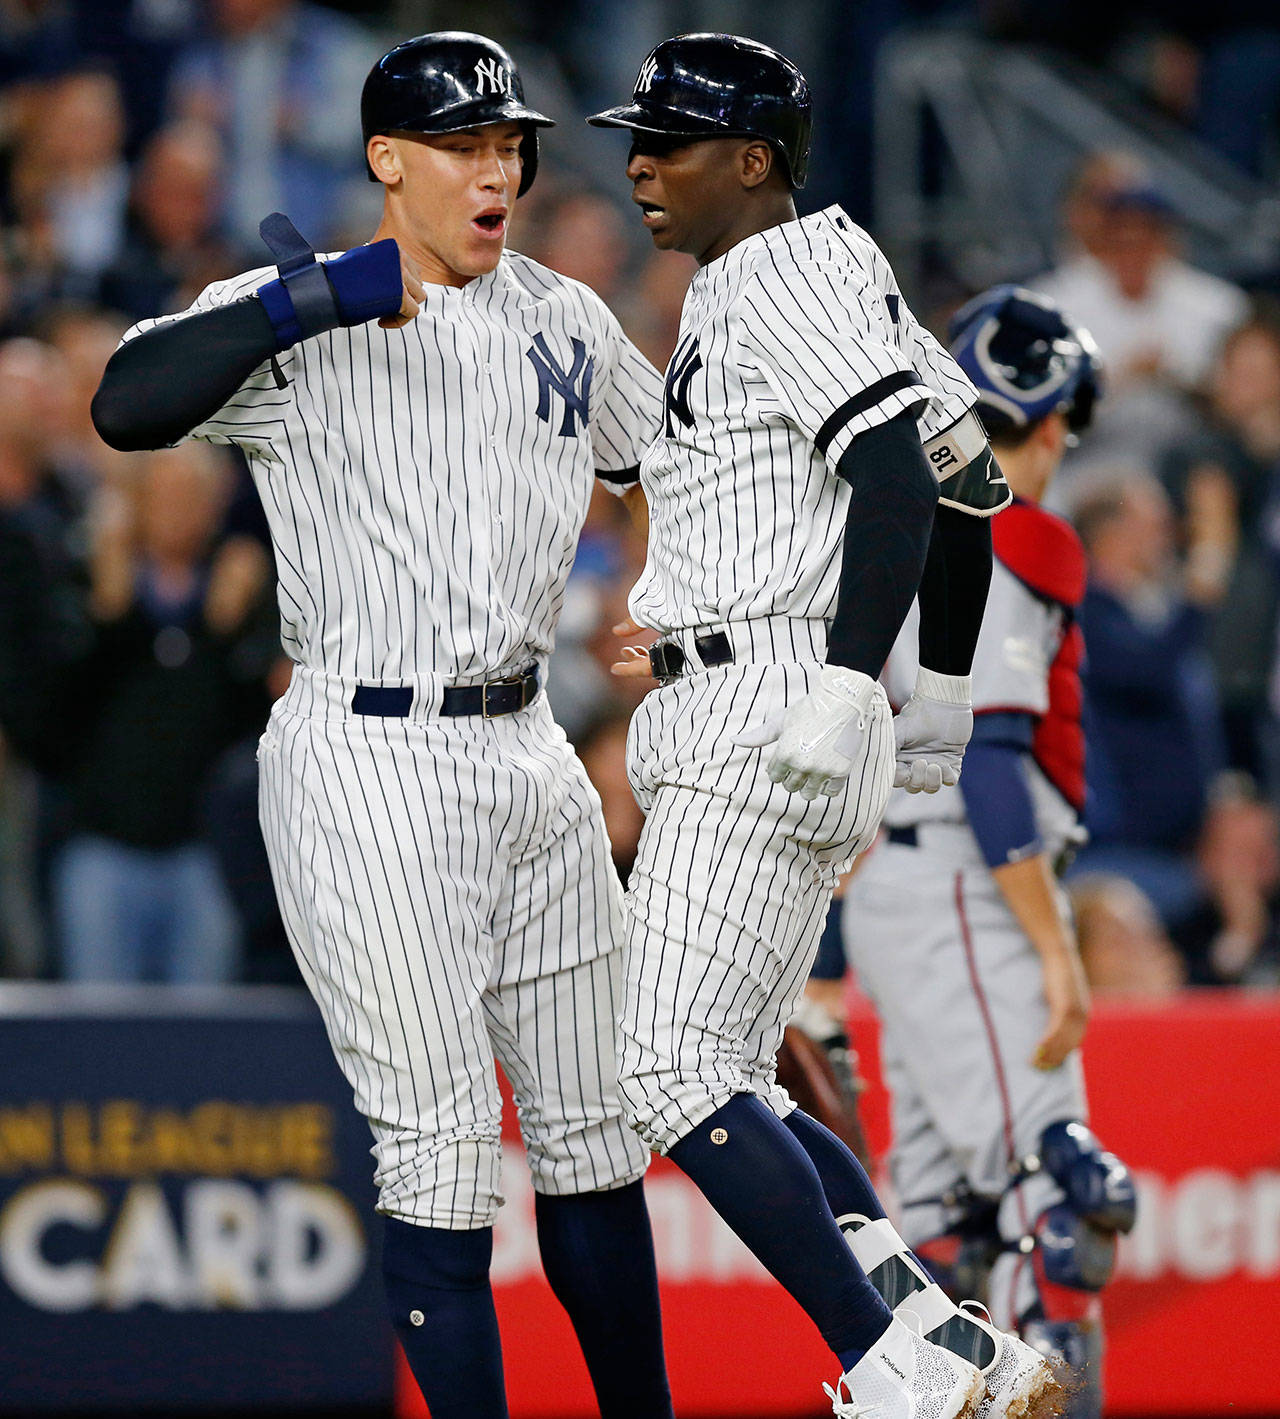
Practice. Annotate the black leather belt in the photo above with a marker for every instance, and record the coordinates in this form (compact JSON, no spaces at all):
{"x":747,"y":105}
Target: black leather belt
{"x":491,"y":699}
{"x":669,"y":662}
{"x":904,"y":837}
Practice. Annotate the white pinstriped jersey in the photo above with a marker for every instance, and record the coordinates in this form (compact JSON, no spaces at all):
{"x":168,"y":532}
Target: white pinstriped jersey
{"x":791,"y":344}
{"x":426,"y":486}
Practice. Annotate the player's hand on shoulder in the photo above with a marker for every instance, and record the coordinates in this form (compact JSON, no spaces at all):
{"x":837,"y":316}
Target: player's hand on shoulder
{"x":816,"y":740}
{"x":412,"y":294}
{"x":931,"y":731}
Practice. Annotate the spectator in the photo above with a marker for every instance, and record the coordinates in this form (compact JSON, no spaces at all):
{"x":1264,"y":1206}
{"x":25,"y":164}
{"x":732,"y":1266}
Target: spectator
{"x":1150,"y":708}
{"x":43,"y":631}
{"x":1123,"y":947}
{"x":1158,"y":321}
{"x":71,"y":183}
{"x":276,"y":79}
{"x":85,"y":338}
{"x":137,"y":893}
{"x":1222,"y":482}
{"x":584,"y":239}
{"x":1233,"y":937}
{"x":652,"y":316}
{"x":173,"y":249}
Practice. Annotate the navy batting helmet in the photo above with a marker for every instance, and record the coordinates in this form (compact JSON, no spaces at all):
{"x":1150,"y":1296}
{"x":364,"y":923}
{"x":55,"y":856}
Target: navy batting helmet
{"x":444,"y":82}
{"x":721,"y":86}
{"x":1026,"y":359}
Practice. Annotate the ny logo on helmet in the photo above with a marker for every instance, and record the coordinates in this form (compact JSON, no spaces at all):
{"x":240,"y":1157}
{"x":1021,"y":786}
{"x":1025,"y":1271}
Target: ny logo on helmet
{"x":492,"y":77}
{"x":573,"y":385}
{"x":648,"y":71}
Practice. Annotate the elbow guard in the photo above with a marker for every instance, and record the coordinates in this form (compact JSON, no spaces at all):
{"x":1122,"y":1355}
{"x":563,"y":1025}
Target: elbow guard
{"x":969,"y":478}
{"x":311,"y":297}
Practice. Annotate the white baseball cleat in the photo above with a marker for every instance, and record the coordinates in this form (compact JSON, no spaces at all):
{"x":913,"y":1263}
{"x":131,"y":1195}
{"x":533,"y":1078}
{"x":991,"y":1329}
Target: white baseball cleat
{"x":1020,"y":1381}
{"x":904,"y":1376}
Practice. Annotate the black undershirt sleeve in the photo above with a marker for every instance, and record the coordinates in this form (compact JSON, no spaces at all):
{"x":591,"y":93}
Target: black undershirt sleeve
{"x":953,"y":590}
{"x":170,"y":379}
{"x":886,"y":541}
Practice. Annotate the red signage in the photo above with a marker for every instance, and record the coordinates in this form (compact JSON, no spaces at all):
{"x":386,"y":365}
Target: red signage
{"x":1188,"y":1094}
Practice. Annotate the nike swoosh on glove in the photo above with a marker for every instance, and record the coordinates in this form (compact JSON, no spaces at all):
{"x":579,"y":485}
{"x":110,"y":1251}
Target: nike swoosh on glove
{"x":817,"y":738}
{"x":931,"y":731}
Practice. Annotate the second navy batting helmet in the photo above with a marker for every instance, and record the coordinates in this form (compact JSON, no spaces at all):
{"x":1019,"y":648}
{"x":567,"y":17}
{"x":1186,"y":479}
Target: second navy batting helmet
{"x":444,"y":82}
{"x":721,"y":86}
{"x":1026,"y":359}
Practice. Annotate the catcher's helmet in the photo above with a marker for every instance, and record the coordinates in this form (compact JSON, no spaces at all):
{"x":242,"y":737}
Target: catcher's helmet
{"x":444,"y":82}
{"x":721,"y":86}
{"x":1026,"y":359}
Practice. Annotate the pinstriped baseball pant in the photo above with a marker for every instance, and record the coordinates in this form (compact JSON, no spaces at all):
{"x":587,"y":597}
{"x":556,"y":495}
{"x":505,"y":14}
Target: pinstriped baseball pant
{"x":730,"y":889}
{"x":448,"y":893}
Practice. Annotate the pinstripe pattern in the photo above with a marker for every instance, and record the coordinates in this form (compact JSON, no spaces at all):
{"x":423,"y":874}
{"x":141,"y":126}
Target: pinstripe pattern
{"x":796,"y":328}
{"x":447,"y":890}
{"x":731,"y":885}
{"x":791,"y":344}
{"x":424,"y":518}
{"x":446,"y":883}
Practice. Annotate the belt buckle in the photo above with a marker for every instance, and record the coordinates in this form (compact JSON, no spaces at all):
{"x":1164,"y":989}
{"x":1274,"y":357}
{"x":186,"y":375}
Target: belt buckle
{"x":667,"y":661}
{"x":493,"y":685}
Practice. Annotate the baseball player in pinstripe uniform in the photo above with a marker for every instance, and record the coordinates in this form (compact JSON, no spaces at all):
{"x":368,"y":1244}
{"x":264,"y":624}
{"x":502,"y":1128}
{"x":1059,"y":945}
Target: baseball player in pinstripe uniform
{"x":811,"y":428}
{"x":425,"y":417}
{"x":955,"y":924}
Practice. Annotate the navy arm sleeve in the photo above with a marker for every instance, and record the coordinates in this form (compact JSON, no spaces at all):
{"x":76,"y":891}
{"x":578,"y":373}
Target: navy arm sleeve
{"x":997,"y":796}
{"x":953,"y":590}
{"x":886,"y":540}
{"x":167,"y":381}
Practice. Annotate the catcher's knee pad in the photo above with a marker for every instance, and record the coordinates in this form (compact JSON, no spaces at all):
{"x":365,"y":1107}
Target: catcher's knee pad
{"x":1074,"y":1200}
{"x":1096,"y":1185}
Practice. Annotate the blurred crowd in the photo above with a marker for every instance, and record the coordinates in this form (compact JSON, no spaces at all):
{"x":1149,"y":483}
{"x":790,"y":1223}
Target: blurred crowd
{"x":138,"y":638}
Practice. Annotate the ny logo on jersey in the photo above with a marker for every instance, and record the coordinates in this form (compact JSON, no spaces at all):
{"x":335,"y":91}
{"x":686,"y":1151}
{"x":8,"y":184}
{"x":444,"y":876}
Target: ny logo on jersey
{"x":573,"y":386}
{"x":685,"y":363}
{"x":648,"y":70}
{"x":492,"y":77}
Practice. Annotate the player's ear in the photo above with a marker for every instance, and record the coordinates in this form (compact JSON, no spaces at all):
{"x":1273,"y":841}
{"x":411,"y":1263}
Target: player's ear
{"x":755,"y":163}
{"x":384,"y":159}
{"x":1052,"y":432}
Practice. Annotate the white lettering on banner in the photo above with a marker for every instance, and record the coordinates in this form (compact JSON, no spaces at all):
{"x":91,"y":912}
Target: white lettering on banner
{"x":1204,"y":1226}
{"x":691,"y":1242}
{"x":72,"y":1286}
{"x":291,"y":1246}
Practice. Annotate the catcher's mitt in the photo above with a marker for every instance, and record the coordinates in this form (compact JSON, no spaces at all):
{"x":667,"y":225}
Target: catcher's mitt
{"x":805,"y":1071}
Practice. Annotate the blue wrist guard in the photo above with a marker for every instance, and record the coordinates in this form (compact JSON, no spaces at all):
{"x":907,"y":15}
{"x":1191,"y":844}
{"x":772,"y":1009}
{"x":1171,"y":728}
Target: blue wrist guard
{"x":310,"y":296}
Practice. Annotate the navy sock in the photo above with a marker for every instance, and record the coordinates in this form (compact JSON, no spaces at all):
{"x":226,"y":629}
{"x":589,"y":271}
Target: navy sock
{"x":752,"y":1170}
{"x":844,"y":1179}
{"x":597,"y":1251}
{"x":437,"y":1284}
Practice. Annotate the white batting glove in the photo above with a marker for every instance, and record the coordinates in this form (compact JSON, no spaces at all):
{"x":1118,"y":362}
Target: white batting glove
{"x":817,"y":738}
{"x":931,"y":731}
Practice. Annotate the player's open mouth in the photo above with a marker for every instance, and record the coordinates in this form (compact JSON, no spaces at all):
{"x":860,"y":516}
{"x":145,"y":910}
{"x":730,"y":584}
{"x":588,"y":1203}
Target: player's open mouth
{"x":491,"y":223}
{"x":651,"y":215}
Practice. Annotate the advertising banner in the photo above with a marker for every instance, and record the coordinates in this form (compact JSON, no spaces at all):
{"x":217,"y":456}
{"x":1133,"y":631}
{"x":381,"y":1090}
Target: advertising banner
{"x":185,"y":1205}
{"x":1188,"y":1094}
